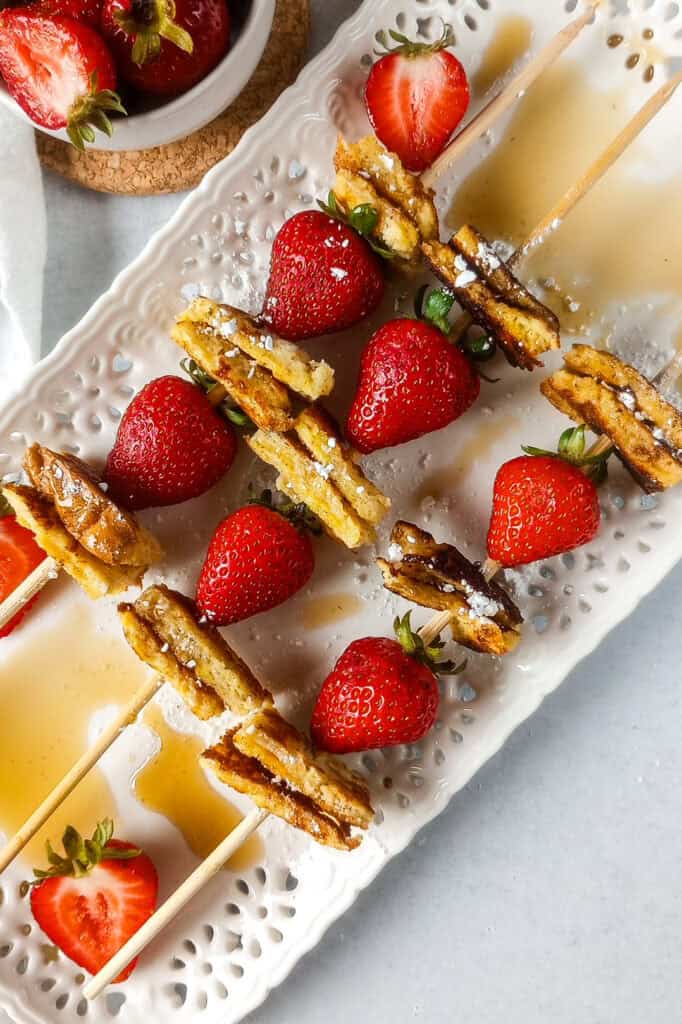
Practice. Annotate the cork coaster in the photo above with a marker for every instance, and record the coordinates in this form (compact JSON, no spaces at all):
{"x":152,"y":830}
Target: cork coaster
{"x":181,"y":165}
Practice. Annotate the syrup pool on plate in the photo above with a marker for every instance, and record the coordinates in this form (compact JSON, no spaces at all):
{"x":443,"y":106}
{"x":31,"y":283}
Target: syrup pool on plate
{"x":326,"y":609}
{"x":623,"y":242}
{"x":174,"y":783}
{"x":51,"y":684}
{"x":512,"y":39}
{"x":62,"y":669}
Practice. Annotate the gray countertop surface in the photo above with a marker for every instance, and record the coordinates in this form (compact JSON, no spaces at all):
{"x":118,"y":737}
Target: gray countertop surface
{"x":550,"y":888}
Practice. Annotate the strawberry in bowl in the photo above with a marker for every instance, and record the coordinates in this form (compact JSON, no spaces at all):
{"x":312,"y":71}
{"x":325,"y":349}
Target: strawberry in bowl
{"x":178,"y":66}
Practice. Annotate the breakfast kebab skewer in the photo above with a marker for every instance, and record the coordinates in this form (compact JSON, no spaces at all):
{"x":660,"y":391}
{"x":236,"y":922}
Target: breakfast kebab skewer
{"x":47,"y":568}
{"x":481,"y":615}
{"x":314,"y":431}
{"x":257,"y":369}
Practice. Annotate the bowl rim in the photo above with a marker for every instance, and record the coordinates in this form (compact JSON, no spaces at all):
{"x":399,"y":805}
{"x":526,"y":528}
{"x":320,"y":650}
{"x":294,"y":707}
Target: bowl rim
{"x":184,"y":114}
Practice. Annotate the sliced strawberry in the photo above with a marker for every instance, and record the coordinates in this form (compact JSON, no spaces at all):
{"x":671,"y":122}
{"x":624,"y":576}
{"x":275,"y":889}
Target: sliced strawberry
{"x":87,"y":11}
{"x":416,"y":95}
{"x":59,"y":71}
{"x":91,"y":901}
{"x":19,"y":556}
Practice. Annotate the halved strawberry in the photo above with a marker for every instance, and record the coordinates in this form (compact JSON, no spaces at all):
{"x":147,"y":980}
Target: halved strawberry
{"x":416,"y":95}
{"x":19,"y":556}
{"x":59,"y":71}
{"x":93,"y":899}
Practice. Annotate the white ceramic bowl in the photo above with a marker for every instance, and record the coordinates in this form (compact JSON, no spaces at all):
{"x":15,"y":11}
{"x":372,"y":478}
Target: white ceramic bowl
{"x":179,"y":117}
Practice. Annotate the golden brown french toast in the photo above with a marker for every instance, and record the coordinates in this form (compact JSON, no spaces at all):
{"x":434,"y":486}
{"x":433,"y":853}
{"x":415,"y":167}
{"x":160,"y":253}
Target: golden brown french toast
{"x":612,"y":398}
{"x":250,"y":777}
{"x":107,"y":531}
{"x":438,"y":576}
{"x":493,"y":297}
{"x":38,"y":515}
{"x":163,"y":628}
{"x":288,"y":754}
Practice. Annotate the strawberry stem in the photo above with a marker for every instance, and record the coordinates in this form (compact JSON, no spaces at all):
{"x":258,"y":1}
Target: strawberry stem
{"x":90,"y":111}
{"x":427,"y":654}
{"x":150,"y":21}
{"x":571,"y":449}
{"x":208,"y":384}
{"x":296,"y":512}
{"x":362,"y":219}
{"x":82,"y":855}
{"x":408,"y":47}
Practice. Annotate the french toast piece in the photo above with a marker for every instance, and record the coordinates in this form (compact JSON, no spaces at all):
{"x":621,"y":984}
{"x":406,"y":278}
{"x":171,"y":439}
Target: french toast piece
{"x":612,"y":398}
{"x":368,"y":158}
{"x":438,"y":576}
{"x":248,"y":776}
{"x":322,"y":437}
{"x":288,"y":754}
{"x":39,"y":516}
{"x":394,"y":229}
{"x":107,"y":531}
{"x":304,"y":479}
{"x":287,"y":363}
{"x":163,"y":629}
{"x":495,"y":299}
{"x":265,"y":400}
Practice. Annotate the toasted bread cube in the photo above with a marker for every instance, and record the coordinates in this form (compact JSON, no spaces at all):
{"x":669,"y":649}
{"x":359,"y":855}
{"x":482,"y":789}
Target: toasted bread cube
{"x":163,"y":628}
{"x":265,"y":400}
{"x":101,"y":526}
{"x":484,"y":286}
{"x":613,"y":399}
{"x":288,"y":754}
{"x":95,"y":577}
{"x":304,"y":479}
{"x":394,"y":229}
{"x":369,"y":158}
{"x":201,"y":700}
{"x":246,"y":775}
{"x":322,"y":437}
{"x":287,"y":363}
{"x":438,"y":576}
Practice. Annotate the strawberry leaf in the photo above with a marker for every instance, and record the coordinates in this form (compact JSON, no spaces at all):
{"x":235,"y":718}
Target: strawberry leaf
{"x":204,"y":381}
{"x":571,"y":449}
{"x":362,"y":219}
{"x":414,"y":646}
{"x":82,"y":855}
{"x":408,"y":47}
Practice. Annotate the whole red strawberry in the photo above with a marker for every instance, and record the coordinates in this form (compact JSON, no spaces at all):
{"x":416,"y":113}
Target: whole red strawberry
{"x":380,"y":693}
{"x":171,"y":446}
{"x":19,"y":556}
{"x":256,"y":560}
{"x":165,"y":47}
{"x":93,"y":899}
{"x":412,"y":381}
{"x":59,"y":71}
{"x":87,"y":11}
{"x":323,"y":277}
{"x":416,"y":95}
{"x":542,"y":506}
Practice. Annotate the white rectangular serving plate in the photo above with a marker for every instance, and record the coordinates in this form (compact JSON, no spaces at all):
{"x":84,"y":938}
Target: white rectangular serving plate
{"x":243,"y":935}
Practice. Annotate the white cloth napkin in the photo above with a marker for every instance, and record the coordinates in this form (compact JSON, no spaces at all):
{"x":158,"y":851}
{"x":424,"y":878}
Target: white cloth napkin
{"x":23,"y":249}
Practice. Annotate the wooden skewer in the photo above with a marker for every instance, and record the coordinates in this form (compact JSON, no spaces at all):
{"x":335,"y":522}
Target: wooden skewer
{"x":507,"y":96}
{"x":81,"y":768}
{"x":27,"y":589}
{"x":602,"y":164}
{"x":174,"y":904}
